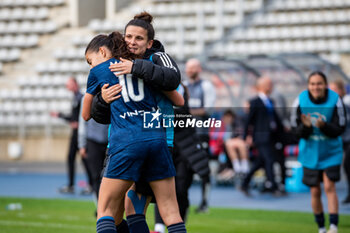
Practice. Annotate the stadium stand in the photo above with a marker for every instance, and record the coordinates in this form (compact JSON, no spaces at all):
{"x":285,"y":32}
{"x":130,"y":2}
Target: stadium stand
{"x":23,"y":26}
{"x":185,"y":26}
{"x":320,"y":27}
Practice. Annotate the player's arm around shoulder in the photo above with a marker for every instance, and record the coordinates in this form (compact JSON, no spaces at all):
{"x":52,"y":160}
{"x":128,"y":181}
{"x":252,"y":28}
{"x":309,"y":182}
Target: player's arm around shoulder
{"x":162,"y":72}
{"x":175,"y":97}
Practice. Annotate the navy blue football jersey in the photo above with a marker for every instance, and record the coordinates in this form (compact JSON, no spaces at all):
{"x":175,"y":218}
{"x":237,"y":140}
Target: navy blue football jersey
{"x":127,"y":112}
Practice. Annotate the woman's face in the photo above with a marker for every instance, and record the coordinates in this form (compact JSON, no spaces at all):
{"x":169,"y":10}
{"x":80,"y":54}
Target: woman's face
{"x":317,"y":86}
{"x":137,"y":40}
{"x":96,"y":58}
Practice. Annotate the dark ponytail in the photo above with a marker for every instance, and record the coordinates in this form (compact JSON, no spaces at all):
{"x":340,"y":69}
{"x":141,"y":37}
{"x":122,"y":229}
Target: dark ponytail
{"x":319,"y":73}
{"x":114,"y":42}
{"x":120,"y":48}
{"x":144,"y":20}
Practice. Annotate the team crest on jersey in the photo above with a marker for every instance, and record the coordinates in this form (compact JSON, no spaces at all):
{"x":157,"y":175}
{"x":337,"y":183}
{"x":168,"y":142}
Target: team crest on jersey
{"x":315,"y":116}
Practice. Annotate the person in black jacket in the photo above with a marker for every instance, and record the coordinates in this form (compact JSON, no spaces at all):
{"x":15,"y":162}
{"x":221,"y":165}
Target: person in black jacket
{"x":73,"y":119}
{"x":201,"y":100}
{"x":156,"y":68}
{"x":339,"y":87}
{"x":92,"y":143}
{"x":189,"y":156}
{"x":266,"y":126}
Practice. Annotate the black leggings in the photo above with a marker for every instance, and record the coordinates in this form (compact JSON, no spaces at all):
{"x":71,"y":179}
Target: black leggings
{"x":347,"y":164}
{"x":183,"y":181}
{"x":96,"y":154}
{"x":73,"y":148}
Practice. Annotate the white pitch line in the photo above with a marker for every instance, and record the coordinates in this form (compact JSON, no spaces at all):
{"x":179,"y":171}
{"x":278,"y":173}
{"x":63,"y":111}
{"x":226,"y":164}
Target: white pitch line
{"x":44,"y":216}
{"x":40,"y":224}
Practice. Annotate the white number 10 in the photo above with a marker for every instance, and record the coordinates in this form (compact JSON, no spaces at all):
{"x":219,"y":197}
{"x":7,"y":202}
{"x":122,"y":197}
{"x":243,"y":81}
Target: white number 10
{"x":128,"y":90}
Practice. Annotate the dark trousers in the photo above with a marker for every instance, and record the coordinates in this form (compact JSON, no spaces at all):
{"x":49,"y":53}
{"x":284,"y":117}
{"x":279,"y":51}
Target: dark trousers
{"x":281,"y":160}
{"x":96,"y":154}
{"x":265,"y":159}
{"x":183,"y":181}
{"x":72,"y":152}
{"x":347,"y":164}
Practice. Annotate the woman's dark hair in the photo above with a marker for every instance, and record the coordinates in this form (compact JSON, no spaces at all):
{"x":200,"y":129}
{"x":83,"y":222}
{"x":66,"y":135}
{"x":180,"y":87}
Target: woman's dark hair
{"x":144,"y":20}
{"x":114,"y":42}
{"x":320,"y":73}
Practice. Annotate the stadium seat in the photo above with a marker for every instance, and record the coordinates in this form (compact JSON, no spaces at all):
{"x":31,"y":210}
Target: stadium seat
{"x":6,"y":3}
{"x":3,"y":55}
{"x":62,"y":93}
{"x":40,"y":67}
{"x":32,"y":119}
{"x":50,"y":27}
{"x":322,"y":45}
{"x":31,"y":13}
{"x":26,"y":27}
{"x":20,"y":41}
{"x":34,"y":81}
{"x":53,"y":105}
{"x":5,"y":14}
{"x":17,"y":14}
{"x":29,"y":106}
{"x":17,"y":106}
{"x":6,"y":41}
{"x":11,"y":119}
{"x":95,"y":25}
{"x":4,"y":94}
{"x":311,"y":46}
{"x":42,"y":13}
{"x":37,"y":94}
{"x":64,"y":67}
{"x":12,"y":27}
{"x":52,"y":67}
{"x":32,"y":40}
{"x":27,"y":93}
{"x":344,"y":43}
{"x":8,"y":55}
{"x":58,"y":80}
{"x":14,"y":54}
{"x":7,"y":106}
{"x":49,"y":93}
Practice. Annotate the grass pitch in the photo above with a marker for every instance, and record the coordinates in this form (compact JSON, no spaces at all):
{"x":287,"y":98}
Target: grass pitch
{"x":71,"y":216}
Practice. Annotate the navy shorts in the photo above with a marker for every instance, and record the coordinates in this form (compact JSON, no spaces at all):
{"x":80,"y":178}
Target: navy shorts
{"x":150,"y":158}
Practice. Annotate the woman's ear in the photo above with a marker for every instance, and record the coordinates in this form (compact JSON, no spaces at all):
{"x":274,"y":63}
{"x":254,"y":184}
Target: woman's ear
{"x":102,"y":51}
{"x":149,"y":44}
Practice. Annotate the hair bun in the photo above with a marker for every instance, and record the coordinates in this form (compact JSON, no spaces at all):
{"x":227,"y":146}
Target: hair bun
{"x":144,"y":16}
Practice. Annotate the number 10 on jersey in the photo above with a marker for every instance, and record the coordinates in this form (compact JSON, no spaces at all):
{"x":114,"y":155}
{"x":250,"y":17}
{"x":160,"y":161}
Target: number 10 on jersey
{"x":128,"y":89}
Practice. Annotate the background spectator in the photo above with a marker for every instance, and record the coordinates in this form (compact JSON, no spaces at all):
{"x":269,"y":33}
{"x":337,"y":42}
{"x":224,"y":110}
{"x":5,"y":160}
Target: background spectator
{"x":92,"y":143}
{"x":339,"y":87}
{"x":318,"y":119}
{"x":73,"y":119}
{"x":201,"y":99}
{"x":266,"y":127}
